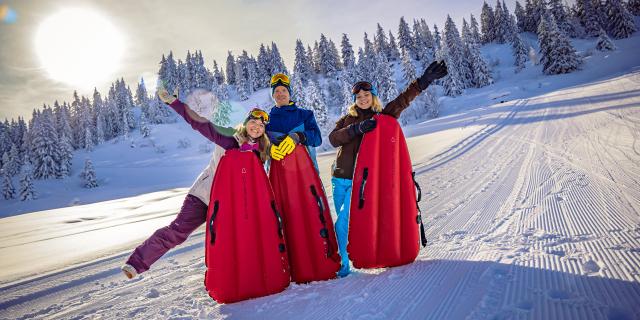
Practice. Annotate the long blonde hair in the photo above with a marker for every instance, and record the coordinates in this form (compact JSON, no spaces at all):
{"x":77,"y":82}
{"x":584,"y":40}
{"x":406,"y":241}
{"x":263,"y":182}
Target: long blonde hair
{"x":376,"y":106}
{"x":263,"y":141}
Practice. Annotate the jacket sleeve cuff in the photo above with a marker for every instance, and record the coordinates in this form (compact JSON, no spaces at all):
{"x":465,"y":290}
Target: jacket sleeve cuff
{"x":416,"y":86}
{"x":176,"y":104}
{"x":302,"y":138}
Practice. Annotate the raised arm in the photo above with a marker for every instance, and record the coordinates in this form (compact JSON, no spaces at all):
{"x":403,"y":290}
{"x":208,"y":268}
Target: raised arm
{"x":402,"y":101}
{"x":434,"y":71}
{"x":205,"y":127}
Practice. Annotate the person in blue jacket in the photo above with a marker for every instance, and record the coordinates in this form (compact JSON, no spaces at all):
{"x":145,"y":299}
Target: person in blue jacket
{"x":290,"y":125}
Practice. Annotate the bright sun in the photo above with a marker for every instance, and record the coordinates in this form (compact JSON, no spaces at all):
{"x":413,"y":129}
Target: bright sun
{"x":79,"y":47}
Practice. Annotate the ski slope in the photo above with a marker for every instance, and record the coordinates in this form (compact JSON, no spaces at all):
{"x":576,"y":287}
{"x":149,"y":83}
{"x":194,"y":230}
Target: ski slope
{"x":531,"y":209}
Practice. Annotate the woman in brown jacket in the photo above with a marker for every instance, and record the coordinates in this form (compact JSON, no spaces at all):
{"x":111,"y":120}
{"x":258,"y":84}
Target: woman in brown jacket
{"x":347,"y":136}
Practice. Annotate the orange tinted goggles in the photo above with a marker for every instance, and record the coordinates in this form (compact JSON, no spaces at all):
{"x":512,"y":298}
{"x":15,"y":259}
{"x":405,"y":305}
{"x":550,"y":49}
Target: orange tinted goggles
{"x":259,"y":114}
{"x":280,"y":77}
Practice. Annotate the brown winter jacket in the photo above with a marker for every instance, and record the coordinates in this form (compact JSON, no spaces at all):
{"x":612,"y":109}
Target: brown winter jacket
{"x":348,"y":146}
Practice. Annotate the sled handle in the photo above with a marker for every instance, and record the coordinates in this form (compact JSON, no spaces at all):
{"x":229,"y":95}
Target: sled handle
{"x":419,"y":196}
{"x":278,"y":218}
{"x":324,"y":232}
{"x":319,"y":203}
{"x":365,"y":174}
{"x":212,"y":232}
{"x":423,"y":236}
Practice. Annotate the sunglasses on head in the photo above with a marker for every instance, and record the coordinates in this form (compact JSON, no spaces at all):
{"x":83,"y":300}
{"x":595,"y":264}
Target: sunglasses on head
{"x":361,"y":85}
{"x":281,"y":78}
{"x":259,"y":114}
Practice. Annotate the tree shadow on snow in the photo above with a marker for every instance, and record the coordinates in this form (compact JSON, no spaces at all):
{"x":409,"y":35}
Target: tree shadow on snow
{"x":451,"y":289}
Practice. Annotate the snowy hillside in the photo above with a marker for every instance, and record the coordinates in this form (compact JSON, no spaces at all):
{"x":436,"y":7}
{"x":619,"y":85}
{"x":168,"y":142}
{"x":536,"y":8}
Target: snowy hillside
{"x":158,"y":163}
{"x":532,"y":199}
{"x":170,"y":158}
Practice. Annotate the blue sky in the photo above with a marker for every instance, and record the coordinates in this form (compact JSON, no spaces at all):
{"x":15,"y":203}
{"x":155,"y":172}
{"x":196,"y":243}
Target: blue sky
{"x":151,"y":28}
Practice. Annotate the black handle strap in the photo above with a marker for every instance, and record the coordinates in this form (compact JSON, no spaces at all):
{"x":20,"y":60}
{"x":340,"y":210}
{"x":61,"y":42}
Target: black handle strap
{"x":318,"y":202}
{"x":212,"y":232}
{"x":278,"y":217}
{"x":365,"y":174}
{"x":419,"y":196}
{"x":324,"y":232}
{"x":423,"y":236}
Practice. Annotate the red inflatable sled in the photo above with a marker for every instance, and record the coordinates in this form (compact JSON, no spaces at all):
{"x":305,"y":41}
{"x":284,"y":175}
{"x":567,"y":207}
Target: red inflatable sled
{"x":245,"y":251}
{"x":311,"y":239}
{"x":384,"y":217}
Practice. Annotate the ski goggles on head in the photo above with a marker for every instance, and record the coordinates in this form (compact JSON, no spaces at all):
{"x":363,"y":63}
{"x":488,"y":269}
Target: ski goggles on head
{"x":280,"y":78}
{"x":361,"y":85}
{"x":257,"y":113}
{"x":364,"y":85}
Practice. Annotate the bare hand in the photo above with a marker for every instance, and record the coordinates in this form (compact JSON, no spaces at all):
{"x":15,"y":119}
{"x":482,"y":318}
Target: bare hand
{"x":164,"y":95}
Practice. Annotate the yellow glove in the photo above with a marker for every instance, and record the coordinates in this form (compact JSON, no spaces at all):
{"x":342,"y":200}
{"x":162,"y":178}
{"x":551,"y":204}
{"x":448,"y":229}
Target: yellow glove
{"x":164,"y":95}
{"x":287,"y":145}
{"x":275,"y":152}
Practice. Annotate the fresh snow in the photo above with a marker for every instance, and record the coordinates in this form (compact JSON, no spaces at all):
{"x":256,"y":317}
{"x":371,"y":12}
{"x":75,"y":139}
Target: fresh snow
{"x":531,"y":194}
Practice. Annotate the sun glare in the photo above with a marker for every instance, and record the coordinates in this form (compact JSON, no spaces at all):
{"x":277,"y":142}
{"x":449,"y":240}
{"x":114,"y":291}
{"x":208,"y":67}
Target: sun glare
{"x":79,"y":47}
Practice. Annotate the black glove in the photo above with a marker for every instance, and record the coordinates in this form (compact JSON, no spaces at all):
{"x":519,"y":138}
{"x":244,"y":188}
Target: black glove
{"x":279,"y":139}
{"x":435,"y":71}
{"x":298,"y":137}
{"x":362,"y":127}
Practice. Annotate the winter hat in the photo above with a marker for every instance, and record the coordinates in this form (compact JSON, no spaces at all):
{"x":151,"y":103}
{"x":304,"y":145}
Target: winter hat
{"x":363,"y":85}
{"x":280,"y":79}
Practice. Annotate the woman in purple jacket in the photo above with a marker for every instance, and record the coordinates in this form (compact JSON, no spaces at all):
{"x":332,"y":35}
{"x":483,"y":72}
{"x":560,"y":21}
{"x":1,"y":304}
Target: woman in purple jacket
{"x":248,"y":136}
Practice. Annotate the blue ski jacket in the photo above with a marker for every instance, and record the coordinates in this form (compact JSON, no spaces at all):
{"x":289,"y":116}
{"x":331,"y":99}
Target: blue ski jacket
{"x":286,"y":119}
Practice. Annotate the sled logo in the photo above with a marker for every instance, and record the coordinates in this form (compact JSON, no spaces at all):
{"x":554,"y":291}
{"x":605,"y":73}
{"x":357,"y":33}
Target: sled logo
{"x":393,"y":139}
{"x":244,"y":170}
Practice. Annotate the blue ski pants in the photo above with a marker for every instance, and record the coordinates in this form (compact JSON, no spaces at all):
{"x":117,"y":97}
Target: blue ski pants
{"x":342,"y":200}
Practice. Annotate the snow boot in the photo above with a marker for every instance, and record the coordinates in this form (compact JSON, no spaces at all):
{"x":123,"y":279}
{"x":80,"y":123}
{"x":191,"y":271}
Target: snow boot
{"x":129,"y":271}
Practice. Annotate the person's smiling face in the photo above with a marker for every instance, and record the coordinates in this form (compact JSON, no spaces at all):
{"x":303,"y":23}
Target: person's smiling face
{"x":364,"y":99}
{"x":255,"y":128}
{"x":281,"y":96}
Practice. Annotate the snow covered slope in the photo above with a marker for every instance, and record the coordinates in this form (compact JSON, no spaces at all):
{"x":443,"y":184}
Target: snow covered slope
{"x":531,"y":212}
